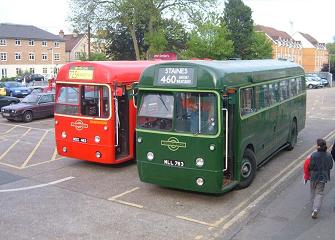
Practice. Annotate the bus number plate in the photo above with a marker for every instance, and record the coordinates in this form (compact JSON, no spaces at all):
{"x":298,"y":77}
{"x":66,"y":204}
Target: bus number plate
{"x":174,"y":163}
{"x":81,"y":140}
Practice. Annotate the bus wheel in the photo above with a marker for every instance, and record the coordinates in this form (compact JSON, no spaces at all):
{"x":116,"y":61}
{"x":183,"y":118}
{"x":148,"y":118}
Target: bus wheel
{"x":248,"y":169}
{"x":293,"y":136}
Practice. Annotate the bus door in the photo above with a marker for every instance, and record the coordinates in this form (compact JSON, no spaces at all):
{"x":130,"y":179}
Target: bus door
{"x":227,"y":126}
{"x":121,"y":108}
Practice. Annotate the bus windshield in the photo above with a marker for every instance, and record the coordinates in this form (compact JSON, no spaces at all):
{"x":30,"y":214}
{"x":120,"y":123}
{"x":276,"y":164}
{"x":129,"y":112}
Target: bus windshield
{"x":179,"y":112}
{"x":83,"y":100}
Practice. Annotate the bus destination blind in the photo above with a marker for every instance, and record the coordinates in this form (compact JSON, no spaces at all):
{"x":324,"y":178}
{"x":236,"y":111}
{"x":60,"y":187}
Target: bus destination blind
{"x":176,"y":76}
{"x":83,"y":73}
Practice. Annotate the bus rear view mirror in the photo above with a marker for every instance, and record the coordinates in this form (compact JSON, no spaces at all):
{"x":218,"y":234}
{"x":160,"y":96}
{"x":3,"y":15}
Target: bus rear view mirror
{"x":119,"y":91}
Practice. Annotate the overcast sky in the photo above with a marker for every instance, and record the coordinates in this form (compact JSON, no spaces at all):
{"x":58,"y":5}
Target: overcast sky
{"x":314,"y":17}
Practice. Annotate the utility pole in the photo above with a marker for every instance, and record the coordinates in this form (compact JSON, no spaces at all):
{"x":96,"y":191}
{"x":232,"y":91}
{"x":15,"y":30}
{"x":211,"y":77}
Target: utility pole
{"x":89,"y":41}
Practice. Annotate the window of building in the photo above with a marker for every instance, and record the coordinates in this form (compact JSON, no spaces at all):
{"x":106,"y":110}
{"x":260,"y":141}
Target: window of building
{"x":56,"y":44}
{"x":3,"y":42}
{"x":3,"y":72}
{"x":31,"y":56}
{"x":56,"y":56}
{"x":45,"y":71}
{"x":44,"y":56}
{"x":31,"y":42}
{"x":44,"y":43}
{"x":18,"y":42}
{"x":18,"y":56}
{"x":77,"y":55}
{"x":32,"y":70}
{"x":18,"y":71}
{"x":3,"y":56}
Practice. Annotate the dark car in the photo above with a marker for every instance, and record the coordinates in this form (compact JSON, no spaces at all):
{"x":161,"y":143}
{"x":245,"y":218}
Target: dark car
{"x":5,"y":101}
{"x":31,"y":107}
{"x":15,"y":89}
{"x":30,"y":77}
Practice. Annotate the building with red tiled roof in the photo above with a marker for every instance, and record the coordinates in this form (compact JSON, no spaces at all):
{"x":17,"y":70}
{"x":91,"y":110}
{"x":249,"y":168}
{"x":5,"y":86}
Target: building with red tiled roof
{"x":315,"y":53}
{"x":301,"y":48}
{"x":283,"y":45}
{"x":76,"y":46}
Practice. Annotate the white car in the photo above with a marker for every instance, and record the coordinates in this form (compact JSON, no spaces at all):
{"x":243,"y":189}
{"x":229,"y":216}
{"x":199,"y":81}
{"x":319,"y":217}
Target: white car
{"x":312,"y":83}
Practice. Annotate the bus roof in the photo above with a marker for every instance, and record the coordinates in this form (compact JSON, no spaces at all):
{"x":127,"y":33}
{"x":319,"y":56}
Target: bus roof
{"x":217,"y":74}
{"x":102,"y":71}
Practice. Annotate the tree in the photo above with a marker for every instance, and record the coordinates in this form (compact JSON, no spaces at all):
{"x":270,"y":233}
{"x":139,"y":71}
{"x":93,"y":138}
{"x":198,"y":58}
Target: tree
{"x":136,"y":15}
{"x":261,"y":47}
{"x":237,"y":18}
{"x":209,"y":40}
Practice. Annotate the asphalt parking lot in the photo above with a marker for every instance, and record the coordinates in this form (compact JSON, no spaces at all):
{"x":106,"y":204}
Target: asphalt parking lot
{"x":46,"y":196}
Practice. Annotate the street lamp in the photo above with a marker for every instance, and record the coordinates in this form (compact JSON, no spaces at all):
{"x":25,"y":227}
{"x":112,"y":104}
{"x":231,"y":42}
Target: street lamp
{"x":52,"y":61}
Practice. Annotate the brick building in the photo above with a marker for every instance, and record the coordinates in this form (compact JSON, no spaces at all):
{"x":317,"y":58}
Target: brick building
{"x":300,"y":48}
{"x":26,"y":48}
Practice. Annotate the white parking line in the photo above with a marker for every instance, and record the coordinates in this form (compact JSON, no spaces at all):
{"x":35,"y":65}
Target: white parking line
{"x":36,"y":186}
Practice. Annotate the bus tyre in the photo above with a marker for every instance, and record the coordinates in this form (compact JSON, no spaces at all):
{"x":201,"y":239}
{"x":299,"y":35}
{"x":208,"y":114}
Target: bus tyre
{"x":293,"y":136}
{"x":28,"y":116}
{"x":248,"y":169}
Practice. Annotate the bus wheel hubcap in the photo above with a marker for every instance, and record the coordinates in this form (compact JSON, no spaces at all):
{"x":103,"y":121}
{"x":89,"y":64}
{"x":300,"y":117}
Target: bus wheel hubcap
{"x":246,"y":169}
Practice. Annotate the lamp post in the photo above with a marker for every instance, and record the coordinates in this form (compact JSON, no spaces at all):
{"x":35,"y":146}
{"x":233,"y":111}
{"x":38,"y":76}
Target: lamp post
{"x":52,"y":61}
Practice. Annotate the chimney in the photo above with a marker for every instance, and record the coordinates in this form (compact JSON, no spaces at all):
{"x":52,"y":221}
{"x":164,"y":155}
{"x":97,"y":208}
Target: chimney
{"x":61,"y":33}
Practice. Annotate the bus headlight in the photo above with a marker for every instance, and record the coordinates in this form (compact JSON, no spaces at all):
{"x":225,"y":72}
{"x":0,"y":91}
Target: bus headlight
{"x":98,"y":154}
{"x":200,"y":181}
{"x":139,"y":140}
{"x":56,"y":122}
{"x":64,"y":149}
{"x":212,"y":147}
{"x":105,"y":128}
{"x":97,"y":139}
{"x":150,"y":156}
{"x":64,"y":134}
{"x":199,"y":162}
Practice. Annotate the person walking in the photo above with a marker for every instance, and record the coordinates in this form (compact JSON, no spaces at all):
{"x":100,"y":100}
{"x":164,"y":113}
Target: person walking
{"x":333,"y":151}
{"x":319,"y":167}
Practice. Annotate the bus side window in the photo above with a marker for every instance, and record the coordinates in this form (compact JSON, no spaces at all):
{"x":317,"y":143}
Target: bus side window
{"x":247,"y":101}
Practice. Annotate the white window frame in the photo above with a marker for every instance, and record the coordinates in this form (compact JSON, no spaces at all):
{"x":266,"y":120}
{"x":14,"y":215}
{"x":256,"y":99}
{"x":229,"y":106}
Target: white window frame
{"x":44,"y":43}
{"x":18,"y":56}
{"x":31,"y":42}
{"x":17,"y":42}
{"x":31,"y":56}
{"x":77,"y":55}
{"x":56,"y":57}
{"x":18,"y":71}
{"x":3,"y":73}
{"x":44,"y":56}
{"x":3,"y":56}
{"x":56,"y":44}
{"x":32,"y":70}
{"x":3,"y":42}
{"x":45,"y":70}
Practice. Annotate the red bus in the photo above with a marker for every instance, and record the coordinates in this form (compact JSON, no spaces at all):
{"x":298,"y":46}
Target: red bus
{"x":95,"y":113}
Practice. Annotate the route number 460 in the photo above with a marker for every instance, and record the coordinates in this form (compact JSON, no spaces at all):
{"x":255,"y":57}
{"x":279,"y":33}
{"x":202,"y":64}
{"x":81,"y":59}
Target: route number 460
{"x":169,"y":79}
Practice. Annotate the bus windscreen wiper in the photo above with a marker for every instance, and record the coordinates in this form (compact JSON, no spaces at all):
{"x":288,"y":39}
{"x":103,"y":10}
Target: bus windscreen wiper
{"x":161,"y":98}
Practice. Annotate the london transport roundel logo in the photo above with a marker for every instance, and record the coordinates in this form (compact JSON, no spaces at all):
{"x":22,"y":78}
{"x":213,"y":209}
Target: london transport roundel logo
{"x":79,"y":125}
{"x":173,"y":143}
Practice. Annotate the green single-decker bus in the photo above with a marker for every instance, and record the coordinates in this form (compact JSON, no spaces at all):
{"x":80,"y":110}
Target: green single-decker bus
{"x":206,"y":126}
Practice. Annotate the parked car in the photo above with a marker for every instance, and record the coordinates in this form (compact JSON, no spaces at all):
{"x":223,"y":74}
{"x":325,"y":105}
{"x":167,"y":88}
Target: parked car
{"x":15,"y":89}
{"x":315,"y":77}
{"x":5,"y":101}
{"x":31,"y":107}
{"x":311,"y":83}
{"x":30,"y":77}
